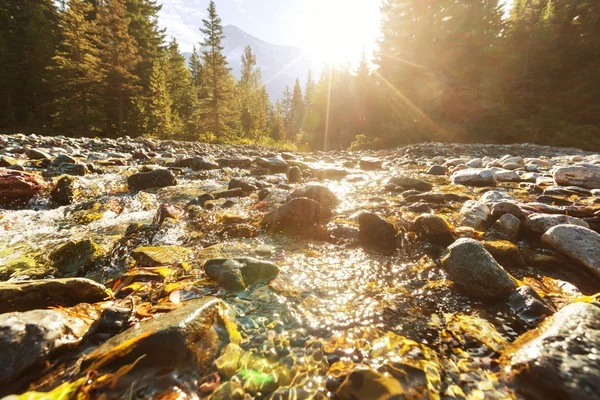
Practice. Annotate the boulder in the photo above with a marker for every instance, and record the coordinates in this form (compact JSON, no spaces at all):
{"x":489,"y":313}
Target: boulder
{"x":63,"y":193}
{"x":275,"y":165}
{"x":196,"y":164}
{"x":578,"y":243}
{"x":559,"y":360}
{"x":474,"y":214}
{"x":36,"y":154}
{"x":77,"y":256}
{"x":474,"y":177}
{"x":321,"y":194}
{"x":475,"y":271}
{"x":377,"y":233}
{"x":29,"y":295}
{"x":540,"y":223}
{"x":239,"y":273}
{"x":72,"y":169}
{"x":152,"y":179}
{"x":529,"y":305}
{"x":433,"y":228}
{"x":239,"y":184}
{"x":297,"y":214}
{"x":584,"y":176}
{"x":411,"y":183}
{"x":504,"y":175}
{"x":507,"y":226}
{"x":294,"y":175}
{"x":18,"y":187}
{"x":505,"y":207}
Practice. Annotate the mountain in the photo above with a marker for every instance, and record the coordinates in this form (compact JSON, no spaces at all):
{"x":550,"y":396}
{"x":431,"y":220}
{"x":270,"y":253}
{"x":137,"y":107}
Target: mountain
{"x":280,"y":65}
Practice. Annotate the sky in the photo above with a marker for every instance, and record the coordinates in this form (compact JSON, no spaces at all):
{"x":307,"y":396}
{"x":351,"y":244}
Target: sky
{"x":333,"y":30}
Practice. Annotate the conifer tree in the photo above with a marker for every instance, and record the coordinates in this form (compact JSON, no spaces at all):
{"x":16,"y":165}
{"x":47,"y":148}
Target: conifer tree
{"x":159,"y":103}
{"x":119,"y":59}
{"x":277,"y":122}
{"x":296,"y":116}
{"x":252,"y":97}
{"x":217,"y":104}
{"x":76,"y":73}
{"x":185,"y":102}
{"x":196,"y":68}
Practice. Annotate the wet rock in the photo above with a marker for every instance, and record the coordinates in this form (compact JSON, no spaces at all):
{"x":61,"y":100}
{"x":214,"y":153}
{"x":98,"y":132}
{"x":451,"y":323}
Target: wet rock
{"x":245,"y":186}
{"x":64,"y":191}
{"x":495,"y":196}
{"x":333,"y":173}
{"x":370,"y":163}
{"x":377,"y":233}
{"x":275,"y":165}
{"x":29,"y":295}
{"x":434,"y":228}
{"x":167,"y":211}
{"x":505,"y":207}
{"x":321,"y":194}
{"x":72,"y":169}
{"x":36,"y":154}
{"x":239,"y":273}
{"x":297,"y":214}
{"x":475,"y":163}
{"x":529,"y":305}
{"x":504,"y":175}
{"x":196,"y":164}
{"x":578,"y":243}
{"x":506,"y":253}
{"x":226,"y":194}
{"x":17,"y":187}
{"x":294,"y":175}
{"x":474,"y":214}
{"x":411,"y":183}
{"x":160,"y":255}
{"x":559,"y":360}
{"x":438,"y":170}
{"x":474,"y":177}
{"x":31,"y":338}
{"x":182,"y":337}
{"x":540,"y":223}
{"x":152,"y":179}
{"x":370,"y":384}
{"x":203,"y":198}
{"x":6,"y":161}
{"x":585,"y":176}
{"x":473,"y":269}
{"x":242,"y":163}
{"x":77,"y":256}
{"x":507,"y":226}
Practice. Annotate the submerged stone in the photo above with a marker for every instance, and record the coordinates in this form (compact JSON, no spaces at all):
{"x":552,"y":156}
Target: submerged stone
{"x":159,"y":255}
{"x":321,"y":194}
{"x":377,"y":233}
{"x":152,"y":179}
{"x":297,"y":214}
{"x":411,"y":183}
{"x":64,"y":192}
{"x":77,"y":256}
{"x":239,"y":273}
{"x":434,"y":228}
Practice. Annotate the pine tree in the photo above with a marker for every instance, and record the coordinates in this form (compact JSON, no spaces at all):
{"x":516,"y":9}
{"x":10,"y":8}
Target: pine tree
{"x":159,"y":103}
{"x":217,"y":104}
{"x":76,"y":73}
{"x":296,"y":116}
{"x":119,"y":59}
{"x":196,"y":68}
{"x":252,"y":97}
{"x":277,"y":122}
{"x":181,"y":90}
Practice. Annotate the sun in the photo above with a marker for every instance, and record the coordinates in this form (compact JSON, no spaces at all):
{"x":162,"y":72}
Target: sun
{"x":342,"y":29}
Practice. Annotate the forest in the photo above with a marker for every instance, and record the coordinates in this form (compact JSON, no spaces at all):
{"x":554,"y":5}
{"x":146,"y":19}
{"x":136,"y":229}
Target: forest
{"x":445,"y":70}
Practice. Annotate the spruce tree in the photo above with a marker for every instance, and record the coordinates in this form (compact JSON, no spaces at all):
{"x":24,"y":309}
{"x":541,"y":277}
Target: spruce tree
{"x":296,"y":116}
{"x":181,"y":90}
{"x":159,"y":103}
{"x":252,"y":97}
{"x":196,"y":68}
{"x":119,"y":59}
{"x":217,"y":103}
{"x":76,"y":73}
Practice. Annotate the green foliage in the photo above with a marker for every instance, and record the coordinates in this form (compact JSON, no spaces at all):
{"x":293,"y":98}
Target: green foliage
{"x":159,"y":102}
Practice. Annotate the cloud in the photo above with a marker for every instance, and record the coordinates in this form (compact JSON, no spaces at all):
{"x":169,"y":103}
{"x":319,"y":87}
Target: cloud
{"x":182,"y":19}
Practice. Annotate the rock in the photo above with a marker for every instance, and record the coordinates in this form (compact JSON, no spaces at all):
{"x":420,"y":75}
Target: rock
{"x":377,"y":233}
{"x":180,"y":338}
{"x":474,"y":177}
{"x":438,"y":170}
{"x":505,"y":207}
{"x":370,"y":384}
{"x":203,"y":198}
{"x":495,"y":196}
{"x":294,"y":175}
{"x":152,"y":179}
{"x":167,"y":211}
{"x":242,"y":163}
{"x":434,"y":228}
{"x":275,"y":165}
{"x":72,"y":169}
{"x":475,"y":271}
{"x":6,"y":161}
{"x":17,"y":187}
{"x":529,"y":305}
{"x":159,"y":255}
{"x":474,"y":214}
{"x":504,"y":175}
{"x":333,"y":173}
{"x":196,"y":164}
{"x":475,"y":163}
{"x":239,"y":273}
{"x":226,"y":194}
{"x":587,"y":177}
{"x":36,"y":154}
{"x":506,"y":253}
{"x":559,"y":360}
{"x":411,"y":183}
{"x":321,"y":194}
{"x":578,"y":243}
{"x":64,"y":191}
{"x":507,"y":226}
{"x":77,"y":256}
{"x":297,"y":214}
{"x":370,"y":163}
{"x":245,"y":186}
{"x":31,"y":338}
{"x":29,"y":295}
{"x":540,"y":223}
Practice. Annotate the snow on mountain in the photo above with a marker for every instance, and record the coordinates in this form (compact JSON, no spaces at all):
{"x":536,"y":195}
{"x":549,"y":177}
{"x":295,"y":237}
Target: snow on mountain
{"x":280,"y":65}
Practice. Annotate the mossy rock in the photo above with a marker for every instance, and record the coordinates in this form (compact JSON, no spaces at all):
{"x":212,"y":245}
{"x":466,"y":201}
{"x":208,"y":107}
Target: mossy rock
{"x":160,"y":255}
{"x":74,"y":256}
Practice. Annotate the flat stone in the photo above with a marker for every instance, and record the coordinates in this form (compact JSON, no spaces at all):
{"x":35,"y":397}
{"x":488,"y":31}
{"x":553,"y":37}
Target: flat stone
{"x":197,"y":164}
{"x":411,"y":183}
{"x":29,"y":295}
{"x":160,"y":255}
{"x":540,"y":223}
{"x":239,"y":273}
{"x":587,"y":177}
{"x":495,"y":196}
{"x":578,"y":243}
{"x":241,"y":162}
{"x":559,"y":360}
{"x":18,"y":186}
{"x":370,"y":163}
{"x":474,"y":177}
{"x":77,"y":256}
{"x":472,"y":268}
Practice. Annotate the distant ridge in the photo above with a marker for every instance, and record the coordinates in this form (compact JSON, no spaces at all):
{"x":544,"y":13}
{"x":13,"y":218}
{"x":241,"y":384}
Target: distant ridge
{"x":280,"y":65}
